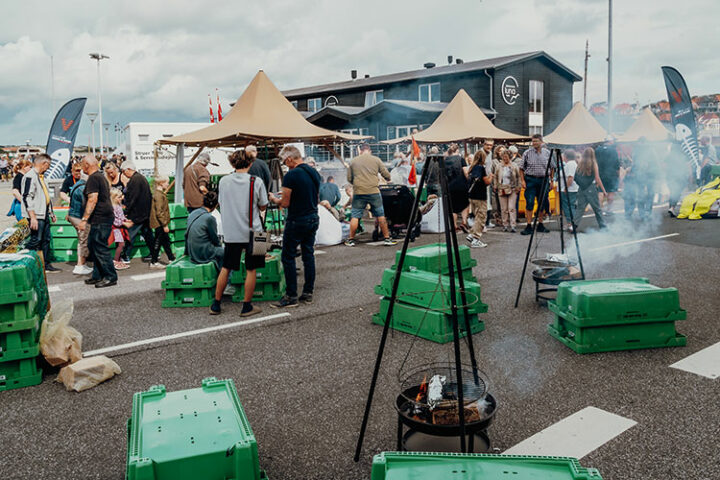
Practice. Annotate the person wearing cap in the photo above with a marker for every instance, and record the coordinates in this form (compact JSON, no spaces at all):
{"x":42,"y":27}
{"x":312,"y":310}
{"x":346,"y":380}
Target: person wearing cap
{"x":37,"y":207}
{"x":259,"y":168}
{"x":138,"y":203}
{"x":608,"y":162}
{"x":196,"y":180}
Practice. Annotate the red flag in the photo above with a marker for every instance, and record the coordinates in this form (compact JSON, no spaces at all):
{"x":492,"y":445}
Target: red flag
{"x":412,"y":177}
{"x":218,"y":104}
{"x":212,"y":117}
{"x":415,"y":149}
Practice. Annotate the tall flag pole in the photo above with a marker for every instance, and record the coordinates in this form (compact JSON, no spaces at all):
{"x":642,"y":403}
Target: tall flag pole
{"x":219,"y":108}
{"x":683,"y":117}
{"x":212,"y":117}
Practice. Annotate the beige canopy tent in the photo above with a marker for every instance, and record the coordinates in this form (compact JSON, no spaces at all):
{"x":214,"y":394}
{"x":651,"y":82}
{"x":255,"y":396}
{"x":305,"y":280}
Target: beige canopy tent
{"x":577,"y":128}
{"x":462,"y":120}
{"x":646,"y":125}
{"x":261,"y":115}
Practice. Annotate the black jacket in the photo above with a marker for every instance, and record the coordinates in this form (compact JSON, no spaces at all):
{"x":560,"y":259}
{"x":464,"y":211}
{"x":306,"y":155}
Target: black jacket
{"x":138,"y":199}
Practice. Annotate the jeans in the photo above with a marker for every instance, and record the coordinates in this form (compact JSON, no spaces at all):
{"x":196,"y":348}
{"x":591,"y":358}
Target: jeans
{"x":162,"y":239}
{"x":585,"y":197}
{"x":299,"y":231}
{"x":100,"y":252}
{"x":144,"y":230}
{"x":569,"y":206}
{"x":40,"y":239}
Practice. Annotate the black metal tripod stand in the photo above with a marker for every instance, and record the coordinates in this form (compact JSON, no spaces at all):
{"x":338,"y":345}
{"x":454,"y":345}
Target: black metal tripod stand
{"x":547,"y":181}
{"x":455,"y":273}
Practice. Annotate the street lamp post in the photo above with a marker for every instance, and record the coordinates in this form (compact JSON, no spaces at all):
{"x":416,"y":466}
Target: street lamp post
{"x":609,"y":60}
{"x":98,"y":57}
{"x":106,"y":126}
{"x":91,"y":116}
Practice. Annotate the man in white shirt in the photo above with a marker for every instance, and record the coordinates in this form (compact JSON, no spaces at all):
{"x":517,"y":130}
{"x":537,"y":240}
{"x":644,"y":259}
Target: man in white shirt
{"x":569,"y":188}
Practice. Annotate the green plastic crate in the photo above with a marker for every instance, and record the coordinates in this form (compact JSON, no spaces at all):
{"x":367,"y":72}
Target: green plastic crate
{"x":64,"y":255}
{"x":62,"y":231}
{"x":616,"y":337}
{"x":619,"y":301}
{"x":61,"y":217}
{"x":24,"y":324}
{"x":19,"y":345}
{"x":433,"y":258}
{"x":182,"y":273}
{"x":427,"y":324}
{"x":19,"y":311}
{"x":188,"y":297}
{"x":19,"y":373}
{"x":64,"y":243}
{"x":264,"y":292}
{"x":272,"y":272}
{"x":177,"y":210}
{"x":15,"y":279}
{"x":422,"y":289}
{"x":177,"y":224}
{"x":447,"y":466}
{"x":191,"y":434}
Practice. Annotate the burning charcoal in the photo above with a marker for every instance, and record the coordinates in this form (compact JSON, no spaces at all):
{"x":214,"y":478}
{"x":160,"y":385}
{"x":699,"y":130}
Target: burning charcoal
{"x":435,"y":393}
{"x":449,"y":416}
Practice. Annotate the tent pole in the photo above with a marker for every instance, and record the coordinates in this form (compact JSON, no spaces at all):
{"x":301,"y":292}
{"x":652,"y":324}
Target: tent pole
{"x":335,"y":154}
{"x":180,"y":170}
{"x":155,"y":158}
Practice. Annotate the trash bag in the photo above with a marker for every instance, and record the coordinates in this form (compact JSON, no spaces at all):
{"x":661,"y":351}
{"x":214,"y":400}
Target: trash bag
{"x":329,"y":231}
{"x":87,"y":373}
{"x":60,"y":343}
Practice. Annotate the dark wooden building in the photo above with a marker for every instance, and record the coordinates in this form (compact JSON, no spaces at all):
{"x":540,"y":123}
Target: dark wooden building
{"x":525,"y":94}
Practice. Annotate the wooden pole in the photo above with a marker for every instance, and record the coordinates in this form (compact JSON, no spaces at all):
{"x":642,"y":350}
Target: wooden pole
{"x":155,"y":159}
{"x":186,"y":166}
{"x":335,"y":154}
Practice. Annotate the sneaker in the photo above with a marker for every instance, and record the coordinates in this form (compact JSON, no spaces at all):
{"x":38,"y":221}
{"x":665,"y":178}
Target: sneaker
{"x":541,"y":228}
{"x":125,"y":260}
{"x":156,"y":265}
{"x":92,"y":281}
{"x":229,"y":291}
{"x":49,"y":268}
{"x":253,"y":311}
{"x":215,"y":308}
{"x":505,"y":229}
{"x":79,"y":270}
{"x":526,"y":231}
{"x":105,"y":283}
{"x":470,"y":238}
{"x":120,"y":265}
{"x":306,"y":298}
{"x":490,"y":225}
{"x":478,"y":244}
{"x":350,"y":242}
{"x":87,"y":270}
{"x":284,"y":302}
{"x":485,"y":229}
{"x":389,"y":242}
{"x":512,"y":230}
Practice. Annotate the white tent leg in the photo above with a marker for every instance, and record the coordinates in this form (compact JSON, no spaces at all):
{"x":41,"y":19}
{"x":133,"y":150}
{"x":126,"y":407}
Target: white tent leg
{"x":179,"y":167}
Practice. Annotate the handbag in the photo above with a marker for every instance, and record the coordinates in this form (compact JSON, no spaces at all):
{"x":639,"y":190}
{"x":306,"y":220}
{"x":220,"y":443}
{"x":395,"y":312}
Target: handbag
{"x":259,"y":242}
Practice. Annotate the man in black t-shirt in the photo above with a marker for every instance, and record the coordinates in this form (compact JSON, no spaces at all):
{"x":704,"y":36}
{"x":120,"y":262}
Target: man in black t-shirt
{"x":70,"y":181}
{"x":300,"y":189}
{"x":259,"y":168}
{"x":99,"y":213}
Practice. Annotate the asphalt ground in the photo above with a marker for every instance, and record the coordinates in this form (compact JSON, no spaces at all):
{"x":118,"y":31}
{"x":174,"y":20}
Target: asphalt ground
{"x":303,"y":379}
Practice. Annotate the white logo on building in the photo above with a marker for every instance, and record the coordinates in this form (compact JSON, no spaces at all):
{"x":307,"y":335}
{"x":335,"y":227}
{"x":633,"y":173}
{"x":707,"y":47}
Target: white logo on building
{"x":510,"y":90}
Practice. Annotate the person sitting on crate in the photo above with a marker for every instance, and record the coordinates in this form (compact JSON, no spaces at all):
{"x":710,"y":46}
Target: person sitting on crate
{"x":159,"y":222}
{"x":202,"y":243}
{"x":330,"y":197}
{"x":242,"y":197}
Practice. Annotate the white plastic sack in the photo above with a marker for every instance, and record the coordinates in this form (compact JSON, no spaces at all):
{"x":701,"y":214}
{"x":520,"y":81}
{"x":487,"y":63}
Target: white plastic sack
{"x":432,"y":221}
{"x":330,"y":231}
{"x":60,"y":343}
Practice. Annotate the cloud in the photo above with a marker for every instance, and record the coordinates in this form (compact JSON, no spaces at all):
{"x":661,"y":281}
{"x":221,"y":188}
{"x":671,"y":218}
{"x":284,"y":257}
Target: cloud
{"x":167,"y":56}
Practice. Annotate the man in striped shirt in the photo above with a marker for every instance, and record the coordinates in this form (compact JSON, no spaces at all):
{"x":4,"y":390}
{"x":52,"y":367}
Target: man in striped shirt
{"x":532,"y":178}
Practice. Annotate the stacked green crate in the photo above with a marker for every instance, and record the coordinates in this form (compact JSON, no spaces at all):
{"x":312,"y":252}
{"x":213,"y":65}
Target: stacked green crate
{"x":270,"y":280}
{"x":274,"y":220}
{"x":190,"y":434}
{"x":23,"y":302}
{"x":616,"y":314}
{"x":63,"y":238}
{"x":423,"y":302}
{"x":189,"y":284}
{"x":441,"y":466}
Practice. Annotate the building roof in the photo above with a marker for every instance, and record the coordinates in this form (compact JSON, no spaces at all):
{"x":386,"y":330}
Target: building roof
{"x":490,"y":63}
{"x":349,"y":113}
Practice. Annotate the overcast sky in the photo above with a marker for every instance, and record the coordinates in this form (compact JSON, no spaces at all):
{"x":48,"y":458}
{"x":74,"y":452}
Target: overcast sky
{"x":165,"y":57}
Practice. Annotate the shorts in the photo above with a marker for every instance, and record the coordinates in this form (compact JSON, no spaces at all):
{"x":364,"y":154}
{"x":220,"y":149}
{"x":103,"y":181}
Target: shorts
{"x":533,"y":189}
{"x":359,"y":202}
{"x":234,"y":254}
{"x":610,"y":183}
{"x":82,"y":236}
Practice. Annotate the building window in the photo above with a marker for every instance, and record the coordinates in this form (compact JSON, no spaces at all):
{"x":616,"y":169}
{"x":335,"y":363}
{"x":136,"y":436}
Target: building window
{"x":399,"y":131}
{"x":535,"y":110}
{"x":356,"y":131}
{"x":295,"y":104}
{"x":536,"y":96}
{"x":143,"y":137}
{"x":429,"y":92}
{"x":373,"y":97}
{"x":314,"y":104}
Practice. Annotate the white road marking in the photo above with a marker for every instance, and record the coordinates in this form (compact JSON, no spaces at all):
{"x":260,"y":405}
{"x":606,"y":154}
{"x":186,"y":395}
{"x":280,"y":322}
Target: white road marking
{"x":706,"y":362}
{"x":592,"y":215}
{"x":622,"y":244}
{"x":148,"y":276}
{"x":375,"y":244}
{"x":320,"y":252}
{"x":574,"y":436}
{"x":53,"y":288}
{"x":149,"y":341}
